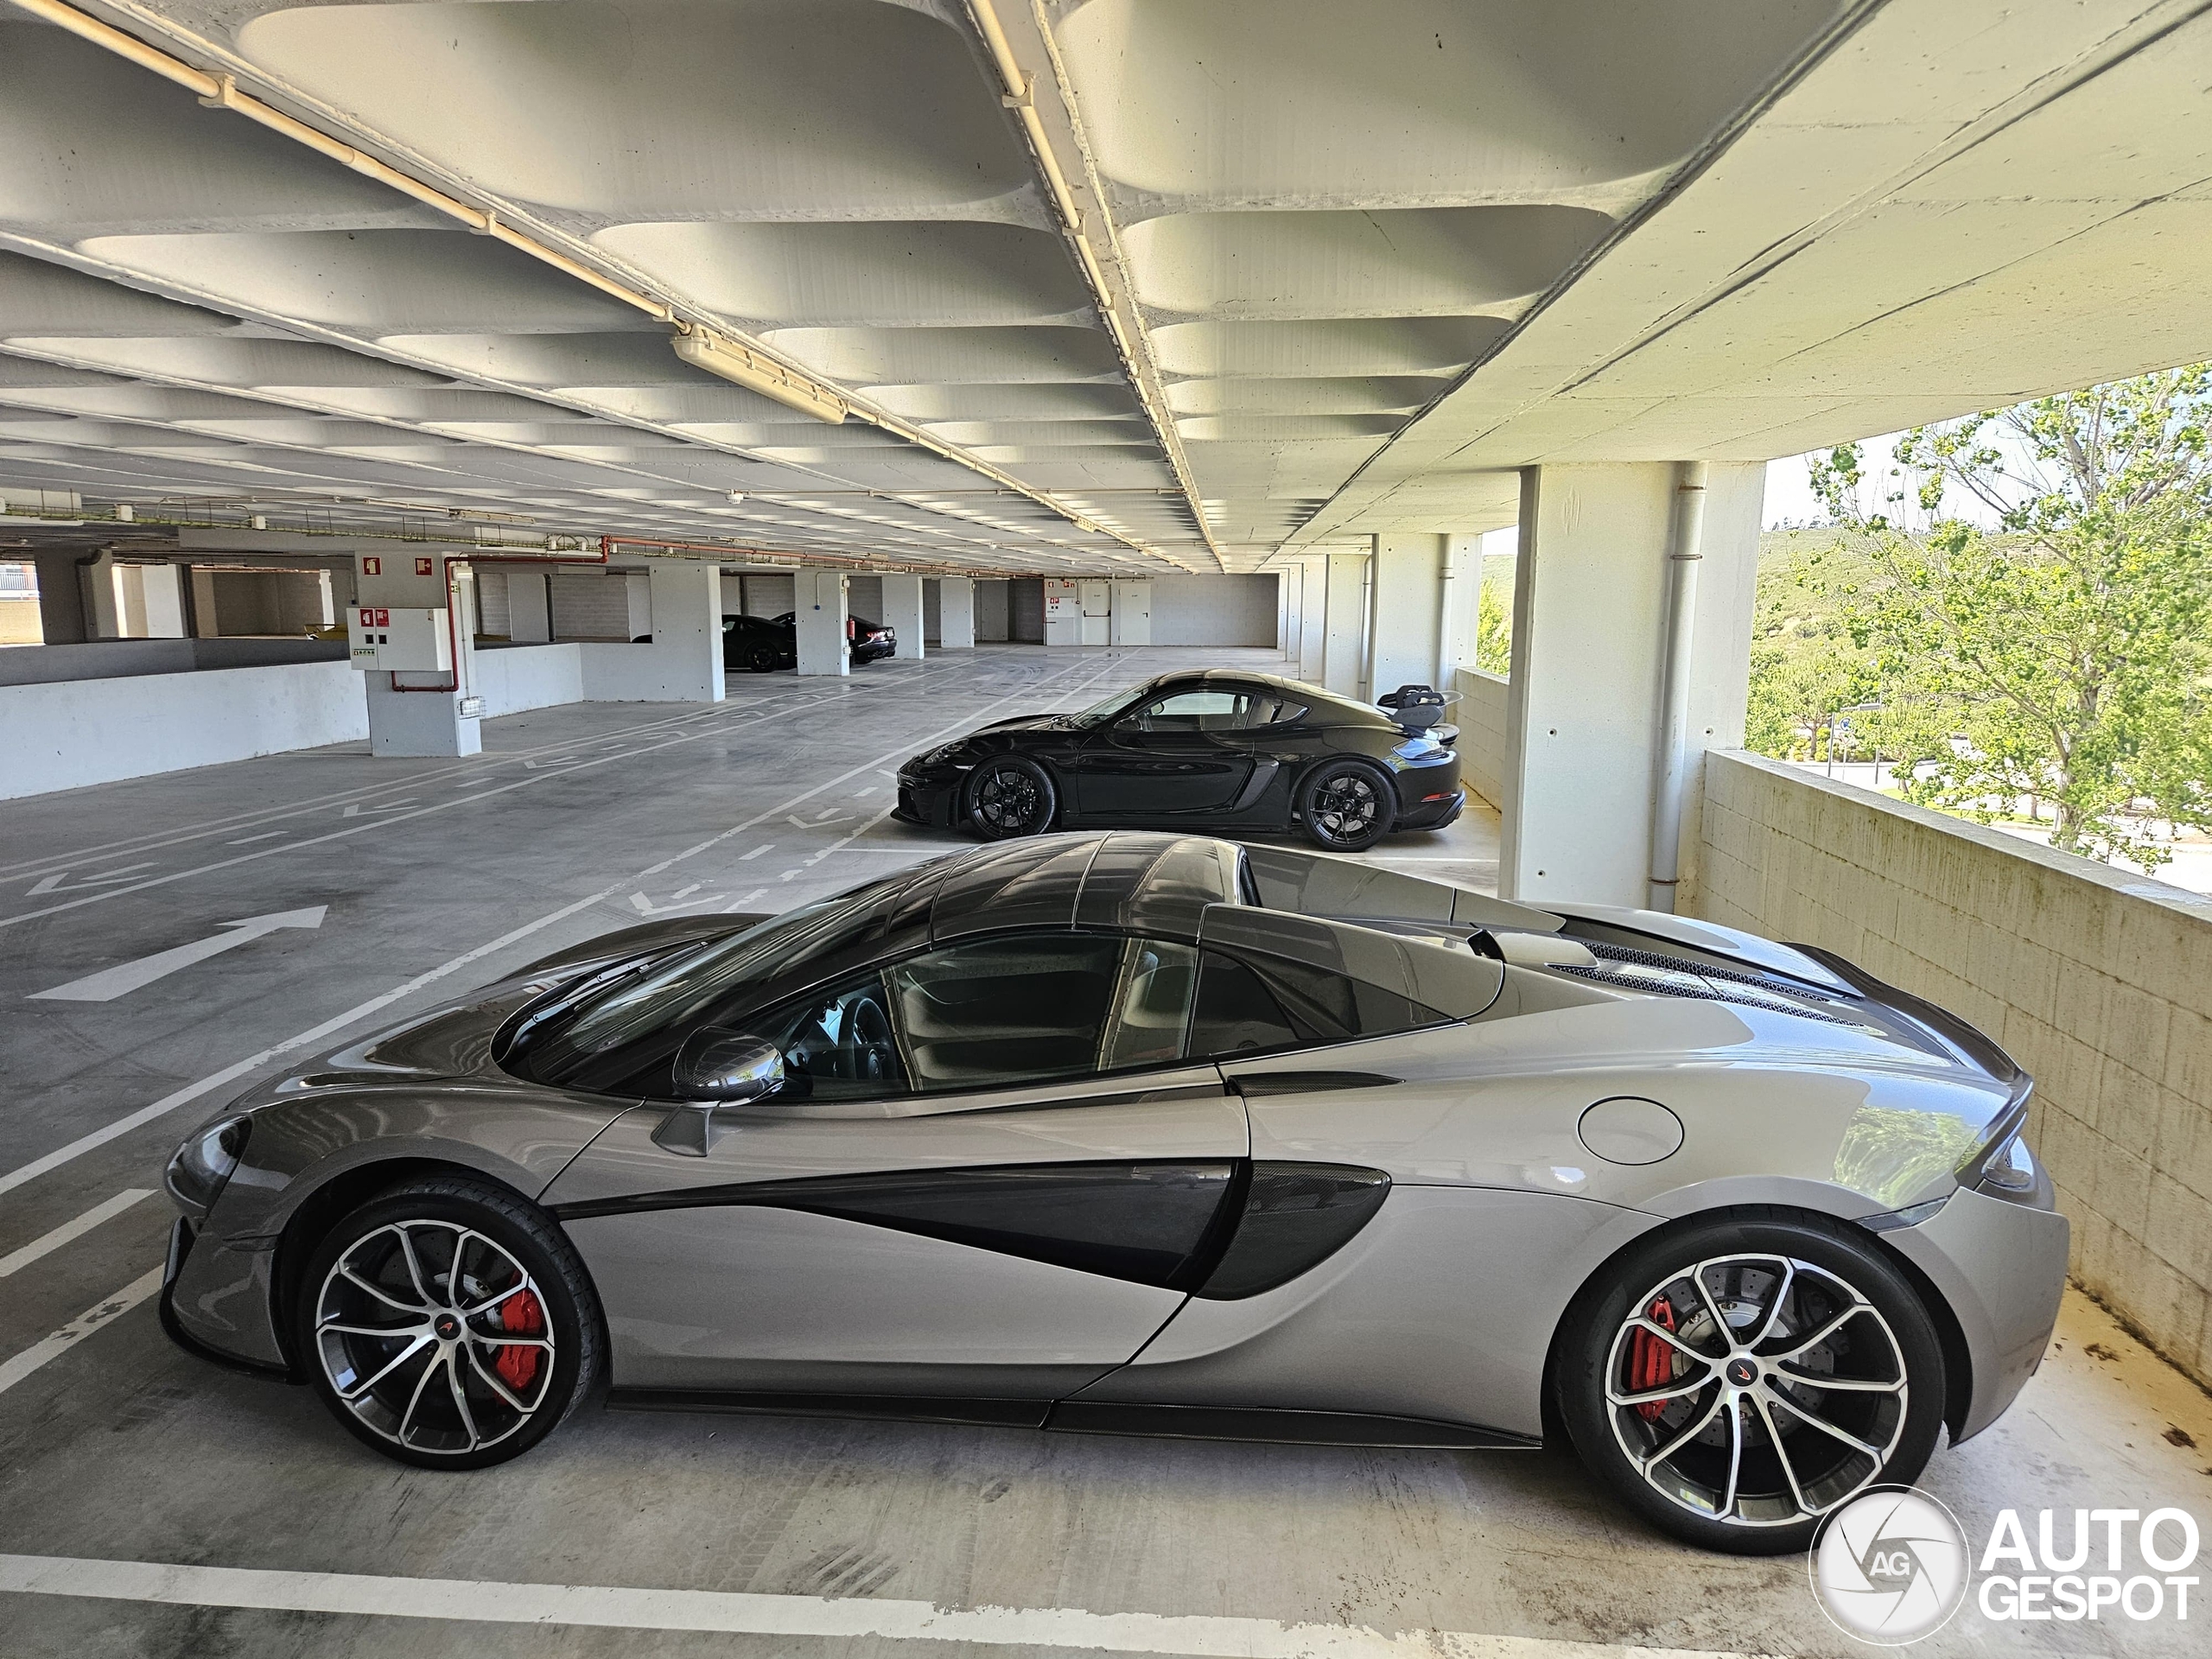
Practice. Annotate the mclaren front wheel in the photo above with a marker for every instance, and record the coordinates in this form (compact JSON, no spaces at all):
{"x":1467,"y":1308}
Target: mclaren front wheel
{"x":1735,"y":1381}
{"x":448,"y":1324}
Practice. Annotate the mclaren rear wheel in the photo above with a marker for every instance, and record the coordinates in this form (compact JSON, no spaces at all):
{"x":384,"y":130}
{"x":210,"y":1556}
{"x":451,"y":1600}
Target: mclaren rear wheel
{"x":448,"y":1324}
{"x":1735,"y":1381}
{"x":1007,"y":797}
{"x":1346,"y":806}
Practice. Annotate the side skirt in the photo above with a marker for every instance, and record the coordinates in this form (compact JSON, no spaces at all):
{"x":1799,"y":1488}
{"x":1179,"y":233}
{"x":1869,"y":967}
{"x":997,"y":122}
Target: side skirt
{"x":1258,"y":1424}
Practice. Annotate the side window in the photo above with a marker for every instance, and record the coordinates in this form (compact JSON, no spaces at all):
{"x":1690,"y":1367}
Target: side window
{"x":1254,"y":1002}
{"x":1234,"y":1012}
{"x":1276,"y":711}
{"x":1153,"y":1007}
{"x":1195,"y":711}
{"x":837,"y":1045}
{"x":1021,"y":1009}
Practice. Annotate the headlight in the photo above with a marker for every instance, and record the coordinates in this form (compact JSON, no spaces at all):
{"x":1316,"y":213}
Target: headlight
{"x":941,"y":754}
{"x":203,"y":1164}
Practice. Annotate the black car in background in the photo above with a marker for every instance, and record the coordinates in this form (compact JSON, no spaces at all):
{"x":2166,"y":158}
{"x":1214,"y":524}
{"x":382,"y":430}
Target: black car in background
{"x":762,"y":645}
{"x":1215,"y":749}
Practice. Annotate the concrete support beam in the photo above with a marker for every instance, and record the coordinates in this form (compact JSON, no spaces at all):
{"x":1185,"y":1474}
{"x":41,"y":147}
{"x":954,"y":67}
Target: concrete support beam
{"x":60,"y":599}
{"x":687,"y":630}
{"x":1410,"y":576}
{"x":955,"y":613}
{"x":902,"y":614}
{"x":530,"y":607}
{"x":1313,"y":618}
{"x":427,"y":721}
{"x":1589,"y":628}
{"x":1343,"y":642}
{"x":819,"y":612}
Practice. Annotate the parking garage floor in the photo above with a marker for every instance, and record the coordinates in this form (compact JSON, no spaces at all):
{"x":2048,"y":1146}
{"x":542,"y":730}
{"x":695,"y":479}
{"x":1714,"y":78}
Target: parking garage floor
{"x":152,"y":1503}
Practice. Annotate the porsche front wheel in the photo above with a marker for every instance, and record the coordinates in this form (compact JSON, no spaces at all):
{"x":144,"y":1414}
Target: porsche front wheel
{"x":448,"y":1324}
{"x":1736,"y":1381}
{"x":1009,"y":797}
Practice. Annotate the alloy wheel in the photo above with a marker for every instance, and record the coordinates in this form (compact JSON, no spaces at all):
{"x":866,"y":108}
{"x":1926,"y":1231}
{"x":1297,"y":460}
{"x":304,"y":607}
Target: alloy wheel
{"x":1756,"y":1390}
{"x":1008,"y":801}
{"x":435,"y":1337}
{"x":1344,"y":806}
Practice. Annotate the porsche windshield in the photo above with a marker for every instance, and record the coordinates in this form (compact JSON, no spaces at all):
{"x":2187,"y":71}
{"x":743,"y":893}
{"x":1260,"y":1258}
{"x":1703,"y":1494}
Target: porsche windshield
{"x":676,"y":987}
{"x":1099,"y":713}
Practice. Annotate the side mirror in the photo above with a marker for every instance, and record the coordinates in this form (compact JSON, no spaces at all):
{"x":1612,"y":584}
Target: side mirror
{"x":717,"y":1068}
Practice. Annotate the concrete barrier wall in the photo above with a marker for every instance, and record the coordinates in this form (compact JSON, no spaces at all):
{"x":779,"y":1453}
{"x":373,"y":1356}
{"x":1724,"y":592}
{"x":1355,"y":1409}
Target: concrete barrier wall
{"x":1480,"y":716}
{"x":115,"y":659}
{"x":510,"y":679}
{"x":65,"y":735}
{"x":2099,"y":982}
{"x":654,"y":673}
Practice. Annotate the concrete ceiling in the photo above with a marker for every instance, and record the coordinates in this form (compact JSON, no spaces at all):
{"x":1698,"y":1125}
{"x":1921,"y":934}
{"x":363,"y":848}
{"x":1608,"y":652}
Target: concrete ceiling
{"x":1343,"y":268}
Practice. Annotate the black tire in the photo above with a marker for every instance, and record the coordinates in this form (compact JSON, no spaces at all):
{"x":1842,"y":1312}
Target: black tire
{"x":1787,"y":1478}
{"x":1347,"y":806}
{"x":511,"y":1255}
{"x":1008,"y":796}
{"x":763,"y":658}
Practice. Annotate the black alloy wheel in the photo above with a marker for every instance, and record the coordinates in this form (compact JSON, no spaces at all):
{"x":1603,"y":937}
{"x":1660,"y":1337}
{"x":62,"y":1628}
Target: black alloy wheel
{"x":1735,"y":1380}
{"x":448,"y":1324}
{"x":1008,"y":797}
{"x":1346,"y":806}
{"x":761,"y":656}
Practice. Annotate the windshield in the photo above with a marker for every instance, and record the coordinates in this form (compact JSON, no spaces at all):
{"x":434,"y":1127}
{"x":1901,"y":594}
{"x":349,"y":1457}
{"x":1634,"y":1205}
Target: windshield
{"x":1099,"y":713}
{"x":624,"y":1007}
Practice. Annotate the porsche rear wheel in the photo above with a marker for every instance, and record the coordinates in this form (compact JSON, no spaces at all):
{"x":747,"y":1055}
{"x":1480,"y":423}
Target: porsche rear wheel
{"x":762,"y":657}
{"x":1346,"y":806}
{"x":448,"y":1324}
{"x":1735,"y":1381}
{"x":1009,"y":797}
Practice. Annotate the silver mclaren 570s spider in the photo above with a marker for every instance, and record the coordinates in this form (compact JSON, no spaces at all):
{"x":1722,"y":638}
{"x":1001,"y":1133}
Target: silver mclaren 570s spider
{"x":1161,"y":1135}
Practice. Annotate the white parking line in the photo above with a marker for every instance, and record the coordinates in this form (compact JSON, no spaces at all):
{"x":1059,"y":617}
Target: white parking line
{"x":47,"y":1243}
{"x":613,"y":1607}
{"x":15,"y":1370}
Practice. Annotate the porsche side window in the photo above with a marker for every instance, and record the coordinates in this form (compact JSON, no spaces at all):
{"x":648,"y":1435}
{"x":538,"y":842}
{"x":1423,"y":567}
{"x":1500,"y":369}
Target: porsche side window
{"x":1196,"y":711}
{"x":838,"y":1046}
{"x":1024,"y":1009}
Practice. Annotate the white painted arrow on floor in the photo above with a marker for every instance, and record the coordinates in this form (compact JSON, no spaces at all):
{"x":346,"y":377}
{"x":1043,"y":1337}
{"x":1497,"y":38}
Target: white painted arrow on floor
{"x":112,"y":982}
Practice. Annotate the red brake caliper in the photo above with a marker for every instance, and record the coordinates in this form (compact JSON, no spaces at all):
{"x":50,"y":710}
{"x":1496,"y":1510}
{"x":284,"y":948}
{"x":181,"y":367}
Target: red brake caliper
{"x":521,"y":1315}
{"x":1650,"y":1361}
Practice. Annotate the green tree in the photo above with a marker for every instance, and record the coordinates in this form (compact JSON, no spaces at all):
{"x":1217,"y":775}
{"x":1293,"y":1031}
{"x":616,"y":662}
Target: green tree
{"x":1493,"y":618}
{"x":2064,"y":654}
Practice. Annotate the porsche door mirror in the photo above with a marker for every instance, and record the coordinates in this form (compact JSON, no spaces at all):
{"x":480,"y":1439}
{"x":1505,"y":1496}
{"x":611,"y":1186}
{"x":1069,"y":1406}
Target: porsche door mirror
{"x":714,"y":1068}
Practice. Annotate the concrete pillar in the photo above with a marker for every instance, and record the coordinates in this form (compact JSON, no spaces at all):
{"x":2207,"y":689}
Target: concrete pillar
{"x":1343,"y":642}
{"x":902,"y":614}
{"x":104,"y":617}
{"x":1410,"y":573}
{"x":955,"y":613}
{"x":819,"y":613}
{"x":60,"y":598}
{"x":530,"y":607}
{"x":425,"y":722}
{"x":1313,"y":618}
{"x":687,"y":630}
{"x":1290,"y":598}
{"x":1582,"y":715}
